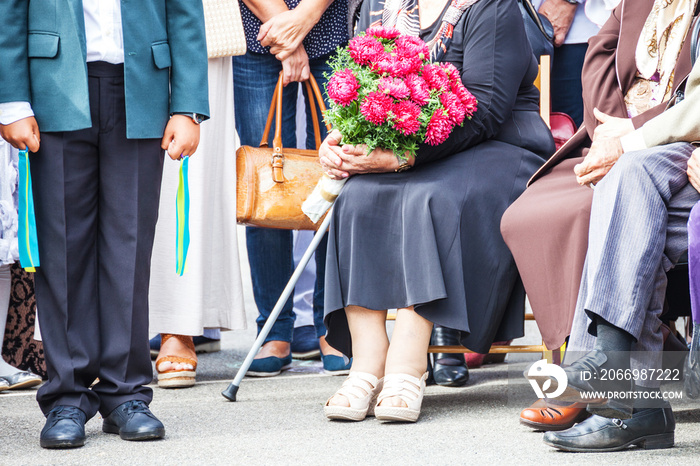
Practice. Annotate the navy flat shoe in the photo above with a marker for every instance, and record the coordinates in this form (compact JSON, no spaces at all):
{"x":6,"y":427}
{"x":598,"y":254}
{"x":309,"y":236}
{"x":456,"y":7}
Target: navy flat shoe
{"x":336,"y":365}
{"x":305,"y":343}
{"x":269,"y":367}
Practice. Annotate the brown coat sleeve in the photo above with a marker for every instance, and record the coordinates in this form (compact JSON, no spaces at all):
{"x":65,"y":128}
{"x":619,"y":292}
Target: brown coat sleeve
{"x":601,"y":88}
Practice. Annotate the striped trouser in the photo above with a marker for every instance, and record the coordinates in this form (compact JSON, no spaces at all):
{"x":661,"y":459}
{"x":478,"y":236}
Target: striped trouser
{"x":638,"y":231}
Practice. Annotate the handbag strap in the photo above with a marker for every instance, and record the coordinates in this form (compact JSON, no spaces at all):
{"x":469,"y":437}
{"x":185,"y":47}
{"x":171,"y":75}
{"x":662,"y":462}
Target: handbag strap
{"x":315,"y":98}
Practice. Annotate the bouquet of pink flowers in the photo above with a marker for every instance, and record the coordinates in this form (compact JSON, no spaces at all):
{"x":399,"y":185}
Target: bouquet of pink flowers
{"x":385,"y":93}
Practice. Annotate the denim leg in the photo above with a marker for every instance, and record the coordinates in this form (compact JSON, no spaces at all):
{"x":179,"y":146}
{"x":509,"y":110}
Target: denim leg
{"x":319,"y":66}
{"x":269,"y":251}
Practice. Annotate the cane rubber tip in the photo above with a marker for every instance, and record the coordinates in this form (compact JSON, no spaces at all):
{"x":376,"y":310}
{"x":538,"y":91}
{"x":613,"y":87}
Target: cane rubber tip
{"x":230,"y":392}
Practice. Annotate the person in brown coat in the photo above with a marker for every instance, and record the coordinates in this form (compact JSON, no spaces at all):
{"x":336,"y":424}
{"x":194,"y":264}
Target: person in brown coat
{"x":547,"y":227}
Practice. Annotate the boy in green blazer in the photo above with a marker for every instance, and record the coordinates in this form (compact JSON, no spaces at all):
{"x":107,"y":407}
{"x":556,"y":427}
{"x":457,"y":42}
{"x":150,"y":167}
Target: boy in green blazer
{"x":96,"y":89}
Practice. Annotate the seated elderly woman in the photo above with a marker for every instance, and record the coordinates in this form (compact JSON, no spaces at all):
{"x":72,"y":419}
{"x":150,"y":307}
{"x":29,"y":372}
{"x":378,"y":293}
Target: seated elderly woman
{"x":632,"y":68}
{"x":426,"y":240}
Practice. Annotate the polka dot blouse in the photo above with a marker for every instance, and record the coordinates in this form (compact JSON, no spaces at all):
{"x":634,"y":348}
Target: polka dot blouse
{"x":330,"y":32}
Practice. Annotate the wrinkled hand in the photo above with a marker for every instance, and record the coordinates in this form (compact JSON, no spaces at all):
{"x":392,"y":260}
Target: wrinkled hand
{"x":610,"y":126}
{"x":296,"y":67}
{"x":22,"y":134}
{"x":284,"y":33}
{"x":181,"y":137}
{"x":604,"y":153}
{"x":560,"y":13}
{"x":694,"y":169}
{"x":341,"y":162}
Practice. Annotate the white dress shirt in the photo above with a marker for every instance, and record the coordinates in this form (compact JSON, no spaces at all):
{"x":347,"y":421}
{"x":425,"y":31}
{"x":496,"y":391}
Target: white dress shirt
{"x":104,"y":41}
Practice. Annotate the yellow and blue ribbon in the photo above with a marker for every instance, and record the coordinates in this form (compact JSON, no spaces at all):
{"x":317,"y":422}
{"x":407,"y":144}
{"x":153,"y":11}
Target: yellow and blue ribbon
{"x":182,"y":206}
{"x":26,"y":231}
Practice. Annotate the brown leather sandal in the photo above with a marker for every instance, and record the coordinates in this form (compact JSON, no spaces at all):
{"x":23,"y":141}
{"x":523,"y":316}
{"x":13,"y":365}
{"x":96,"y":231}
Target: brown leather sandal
{"x":177,"y":378}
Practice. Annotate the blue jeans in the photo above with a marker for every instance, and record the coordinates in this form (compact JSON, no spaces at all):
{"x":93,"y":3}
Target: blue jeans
{"x":270,"y":252}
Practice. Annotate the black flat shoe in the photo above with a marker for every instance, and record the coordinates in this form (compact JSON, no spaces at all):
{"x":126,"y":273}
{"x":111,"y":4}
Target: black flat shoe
{"x":691,"y":381}
{"x":449,"y":369}
{"x":64,"y":428}
{"x":649,"y":429}
{"x":133,"y":421}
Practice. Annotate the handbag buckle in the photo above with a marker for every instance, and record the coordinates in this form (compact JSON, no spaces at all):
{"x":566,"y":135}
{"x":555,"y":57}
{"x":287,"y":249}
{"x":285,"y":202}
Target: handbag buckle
{"x":277,"y":163}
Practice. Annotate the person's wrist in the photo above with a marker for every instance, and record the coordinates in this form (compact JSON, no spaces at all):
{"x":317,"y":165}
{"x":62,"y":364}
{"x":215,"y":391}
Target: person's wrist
{"x":404,"y":163}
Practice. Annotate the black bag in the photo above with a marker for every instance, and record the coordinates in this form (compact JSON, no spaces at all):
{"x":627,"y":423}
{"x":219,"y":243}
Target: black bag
{"x":538,"y":28}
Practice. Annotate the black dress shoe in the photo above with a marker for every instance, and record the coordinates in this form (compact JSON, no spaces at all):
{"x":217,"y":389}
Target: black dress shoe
{"x":691,"y":379}
{"x":449,"y":369}
{"x":64,"y":428}
{"x":589,"y":374}
{"x":133,"y":421}
{"x":649,"y":429}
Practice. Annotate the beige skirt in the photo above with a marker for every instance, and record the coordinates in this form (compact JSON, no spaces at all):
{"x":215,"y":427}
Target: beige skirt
{"x":210,"y":293}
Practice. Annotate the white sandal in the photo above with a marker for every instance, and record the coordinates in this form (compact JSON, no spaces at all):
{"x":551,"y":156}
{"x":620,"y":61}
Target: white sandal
{"x":410,"y":389}
{"x":360,"y":389}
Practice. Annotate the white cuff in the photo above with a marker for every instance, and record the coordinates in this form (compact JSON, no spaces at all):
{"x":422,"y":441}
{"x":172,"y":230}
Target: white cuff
{"x":14,"y":111}
{"x":633,"y":141}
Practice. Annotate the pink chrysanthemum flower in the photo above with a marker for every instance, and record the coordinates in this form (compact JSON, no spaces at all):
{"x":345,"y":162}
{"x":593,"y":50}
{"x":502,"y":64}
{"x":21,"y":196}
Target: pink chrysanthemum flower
{"x":365,"y":49}
{"x":467,"y":98}
{"x":439,"y":127}
{"x":409,"y":47}
{"x":382,"y":32}
{"x":394,"y":87}
{"x":375,"y":107}
{"x":452,"y":72}
{"x":342,"y":87}
{"x":436,"y":77}
{"x":453,"y":106}
{"x":405,"y":119}
{"x":419,"y":89}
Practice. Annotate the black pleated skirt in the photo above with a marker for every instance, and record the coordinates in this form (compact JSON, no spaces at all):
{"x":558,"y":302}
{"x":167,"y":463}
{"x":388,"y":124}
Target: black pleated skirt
{"x":430,"y":238}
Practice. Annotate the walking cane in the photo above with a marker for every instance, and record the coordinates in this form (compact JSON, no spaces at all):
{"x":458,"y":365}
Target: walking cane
{"x":230,"y":392}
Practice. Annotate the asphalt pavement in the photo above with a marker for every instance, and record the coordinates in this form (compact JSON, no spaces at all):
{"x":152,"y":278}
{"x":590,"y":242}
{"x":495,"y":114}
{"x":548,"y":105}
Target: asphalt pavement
{"x":280,"y":420}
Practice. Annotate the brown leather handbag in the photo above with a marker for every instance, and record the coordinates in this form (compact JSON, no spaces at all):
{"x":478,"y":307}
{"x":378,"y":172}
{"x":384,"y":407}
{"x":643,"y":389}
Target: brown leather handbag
{"x":272,"y":183}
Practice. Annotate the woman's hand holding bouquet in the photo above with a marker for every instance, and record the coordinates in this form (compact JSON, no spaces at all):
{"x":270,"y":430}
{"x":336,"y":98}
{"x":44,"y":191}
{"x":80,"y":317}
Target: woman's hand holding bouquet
{"x":387,"y":98}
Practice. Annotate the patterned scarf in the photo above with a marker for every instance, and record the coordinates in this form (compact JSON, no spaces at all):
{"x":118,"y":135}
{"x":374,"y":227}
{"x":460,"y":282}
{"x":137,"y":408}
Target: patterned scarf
{"x":403,"y":15}
{"x":661,"y":40}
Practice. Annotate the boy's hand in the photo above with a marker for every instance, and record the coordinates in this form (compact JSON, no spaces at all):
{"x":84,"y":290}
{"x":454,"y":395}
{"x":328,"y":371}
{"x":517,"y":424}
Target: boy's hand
{"x":181,"y":136}
{"x":22,"y":134}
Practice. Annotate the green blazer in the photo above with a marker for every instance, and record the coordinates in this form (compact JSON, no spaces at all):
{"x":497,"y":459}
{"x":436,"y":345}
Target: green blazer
{"x":43,"y":62}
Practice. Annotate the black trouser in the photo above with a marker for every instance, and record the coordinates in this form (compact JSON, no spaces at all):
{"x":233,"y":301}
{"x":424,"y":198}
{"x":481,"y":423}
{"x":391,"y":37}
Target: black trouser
{"x":96,"y":195}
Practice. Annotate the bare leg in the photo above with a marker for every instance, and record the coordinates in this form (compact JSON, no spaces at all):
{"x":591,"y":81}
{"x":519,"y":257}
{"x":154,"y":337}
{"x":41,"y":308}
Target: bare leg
{"x":408,"y":349}
{"x":369,"y":344}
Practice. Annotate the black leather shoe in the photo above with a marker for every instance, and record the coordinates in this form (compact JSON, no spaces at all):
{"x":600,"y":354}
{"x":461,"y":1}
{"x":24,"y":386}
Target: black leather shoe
{"x":649,"y":429}
{"x":691,"y":379}
{"x":449,"y":369}
{"x":133,"y":421}
{"x":587,"y":374}
{"x":64,"y":428}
